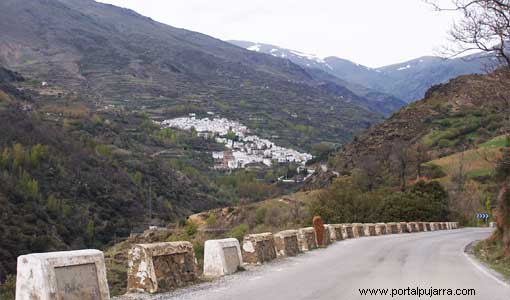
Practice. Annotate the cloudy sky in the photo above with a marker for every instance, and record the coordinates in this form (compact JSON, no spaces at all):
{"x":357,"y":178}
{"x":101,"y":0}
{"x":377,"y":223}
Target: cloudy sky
{"x":370,"y":32}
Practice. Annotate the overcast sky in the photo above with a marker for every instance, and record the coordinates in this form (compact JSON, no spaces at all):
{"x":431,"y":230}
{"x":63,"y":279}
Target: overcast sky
{"x":370,"y":32}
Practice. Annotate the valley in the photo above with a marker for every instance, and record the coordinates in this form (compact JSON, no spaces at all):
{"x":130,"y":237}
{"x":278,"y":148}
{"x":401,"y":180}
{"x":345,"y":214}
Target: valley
{"x":118,"y":129}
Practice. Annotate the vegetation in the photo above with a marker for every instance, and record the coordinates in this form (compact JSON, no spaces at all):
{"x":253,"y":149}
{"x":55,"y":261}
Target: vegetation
{"x":344,"y":202}
{"x":492,"y":252}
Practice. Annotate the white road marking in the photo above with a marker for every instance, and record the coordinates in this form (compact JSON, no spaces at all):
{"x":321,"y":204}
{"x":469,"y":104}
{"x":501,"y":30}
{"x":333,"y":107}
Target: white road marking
{"x":482,"y":269}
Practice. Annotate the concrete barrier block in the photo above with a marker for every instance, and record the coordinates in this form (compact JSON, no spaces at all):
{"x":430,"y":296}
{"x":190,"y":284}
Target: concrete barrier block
{"x":420,"y":226}
{"x":380,"y":228}
{"x":347,"y":231}
{"x":392,"y":228}
{"x":222,"y":257}
{"x":160,"y":267}
{"x":306,"y":238}
{"x":435,"y":226}
{"x":369,"y":229}
{"x":427,"y":226}
{"x":445,"y":226}
{"x":404,"y":228}
{"x":62,"y":275}
{"x":327,"y":236}
{"x":358,"y":230}
{"x":412,"y":227}
{"x":335,"y":232}
{"x":258,"y":248}
{"x":287,"y":243}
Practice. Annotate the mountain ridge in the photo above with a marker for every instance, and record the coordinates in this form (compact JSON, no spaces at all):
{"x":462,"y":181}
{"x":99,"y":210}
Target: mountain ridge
{"x":407,"y":80}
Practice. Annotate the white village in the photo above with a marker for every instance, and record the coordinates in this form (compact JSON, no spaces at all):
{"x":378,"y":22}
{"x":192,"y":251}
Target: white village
{"x":242,"y":148}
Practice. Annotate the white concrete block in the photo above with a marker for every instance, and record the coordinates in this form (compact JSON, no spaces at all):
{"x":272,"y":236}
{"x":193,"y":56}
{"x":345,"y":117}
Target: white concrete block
{"x":62,"y":275}
{"x":222,"y":257}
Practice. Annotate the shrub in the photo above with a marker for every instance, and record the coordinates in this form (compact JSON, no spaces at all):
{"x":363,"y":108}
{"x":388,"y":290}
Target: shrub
{"x":8,"y":288}
{"x":260,"y":215}
{"x":239,"y":232}
{"x":211,"y":220}
{"x":191,"y":228}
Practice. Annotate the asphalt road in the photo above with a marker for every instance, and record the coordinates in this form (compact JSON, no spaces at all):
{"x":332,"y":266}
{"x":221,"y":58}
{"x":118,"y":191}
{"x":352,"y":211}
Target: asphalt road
{"x":424,"y":260}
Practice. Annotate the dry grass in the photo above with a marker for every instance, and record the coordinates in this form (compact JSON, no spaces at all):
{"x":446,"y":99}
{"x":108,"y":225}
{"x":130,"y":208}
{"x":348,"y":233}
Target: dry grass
{"x":476,"y":162}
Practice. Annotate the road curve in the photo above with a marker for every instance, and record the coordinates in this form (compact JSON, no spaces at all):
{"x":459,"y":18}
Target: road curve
{"x":424,"y":260}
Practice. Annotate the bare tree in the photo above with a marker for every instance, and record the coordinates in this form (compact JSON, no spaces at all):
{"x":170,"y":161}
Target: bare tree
{"x":422,"y":156}
{"x":485,"y":26}
{"x":404,"y":155}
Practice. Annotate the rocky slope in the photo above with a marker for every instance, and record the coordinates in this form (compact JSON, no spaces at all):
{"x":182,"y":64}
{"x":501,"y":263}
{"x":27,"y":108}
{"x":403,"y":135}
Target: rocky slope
{"x":460,"y":114}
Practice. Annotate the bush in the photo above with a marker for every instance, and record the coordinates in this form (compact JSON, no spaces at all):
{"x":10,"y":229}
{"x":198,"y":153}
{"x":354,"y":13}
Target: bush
{"x":239,"y":232}
{"x":260,"y":215}
{"x":191,"y":228}
{"x":8,"y":288}
{"x":211,"y":220}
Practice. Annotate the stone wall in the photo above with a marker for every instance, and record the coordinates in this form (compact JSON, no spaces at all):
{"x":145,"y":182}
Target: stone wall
{"x":306,"y":238}
{"x":160,"y":267}
{"x":222,"y":257}
{"x":258,"y":248}
{"x":62,"y":275}
{"x":286,"y":243}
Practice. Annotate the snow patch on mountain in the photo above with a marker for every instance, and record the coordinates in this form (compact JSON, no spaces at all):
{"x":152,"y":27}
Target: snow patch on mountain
{"x":404,"y":68}
{"x":255,"y":48}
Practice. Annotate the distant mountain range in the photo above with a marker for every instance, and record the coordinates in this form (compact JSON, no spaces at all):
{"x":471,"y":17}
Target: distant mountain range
{"x":407,"y":81}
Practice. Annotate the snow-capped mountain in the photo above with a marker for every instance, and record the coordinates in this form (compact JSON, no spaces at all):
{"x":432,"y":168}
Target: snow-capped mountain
{"x":408,"y":80}
{"x":303,"y":59}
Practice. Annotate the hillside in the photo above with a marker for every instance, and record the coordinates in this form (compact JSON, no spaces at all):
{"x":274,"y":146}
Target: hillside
{"x":71,"y":179}
{"x":114,"y":56}
{"x":407,"y":80}
{"x":466,"y":111}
